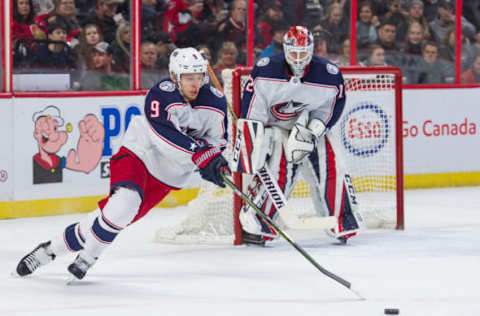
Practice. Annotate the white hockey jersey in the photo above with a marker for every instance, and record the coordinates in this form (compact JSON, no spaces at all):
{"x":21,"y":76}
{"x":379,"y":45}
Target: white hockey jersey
{"x":273,"y":96}
{"x":173,"y":129}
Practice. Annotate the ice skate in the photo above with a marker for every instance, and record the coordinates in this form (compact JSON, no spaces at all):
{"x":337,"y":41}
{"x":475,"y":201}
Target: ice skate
{"x":38,"y":257}
{"x":252,"y":239}
{"x":80,"y":266}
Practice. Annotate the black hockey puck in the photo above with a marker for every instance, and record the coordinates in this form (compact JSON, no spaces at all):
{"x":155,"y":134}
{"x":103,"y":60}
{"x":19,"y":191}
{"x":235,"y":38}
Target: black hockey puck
{"x":392,"y":311}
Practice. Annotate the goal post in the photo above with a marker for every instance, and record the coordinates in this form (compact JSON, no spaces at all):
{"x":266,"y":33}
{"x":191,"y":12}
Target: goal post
{"x":369,"y":135}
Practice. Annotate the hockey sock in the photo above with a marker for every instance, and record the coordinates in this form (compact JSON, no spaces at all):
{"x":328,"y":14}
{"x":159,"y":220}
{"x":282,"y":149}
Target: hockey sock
{"x":120,"y":210}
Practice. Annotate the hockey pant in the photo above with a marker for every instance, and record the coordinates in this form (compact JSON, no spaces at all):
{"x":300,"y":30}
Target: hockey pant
{"x":330,"y":186}
{"x":133,"y":192}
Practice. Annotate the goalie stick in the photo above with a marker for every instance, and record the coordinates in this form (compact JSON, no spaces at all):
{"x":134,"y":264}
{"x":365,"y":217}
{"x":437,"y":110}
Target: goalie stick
{"x":329,"y":274}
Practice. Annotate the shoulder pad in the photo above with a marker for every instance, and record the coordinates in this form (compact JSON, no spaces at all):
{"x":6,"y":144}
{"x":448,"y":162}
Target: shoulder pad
{"x":167,"y":86}
{"x":263,"y":62}
{"x":216,"y":92}
{"x":332,"y":69}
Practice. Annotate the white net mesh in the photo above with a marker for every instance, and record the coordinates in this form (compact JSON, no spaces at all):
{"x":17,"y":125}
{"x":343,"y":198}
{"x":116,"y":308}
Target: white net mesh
{"x":365,"y":135}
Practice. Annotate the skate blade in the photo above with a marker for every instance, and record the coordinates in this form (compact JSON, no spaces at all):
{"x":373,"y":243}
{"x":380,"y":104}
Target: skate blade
{"x":72,"y":280}
{"x":14,"y":274}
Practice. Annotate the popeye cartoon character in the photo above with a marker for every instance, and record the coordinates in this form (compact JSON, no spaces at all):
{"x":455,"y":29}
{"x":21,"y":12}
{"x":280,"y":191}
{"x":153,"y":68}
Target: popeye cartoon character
{"x":47,"y":165}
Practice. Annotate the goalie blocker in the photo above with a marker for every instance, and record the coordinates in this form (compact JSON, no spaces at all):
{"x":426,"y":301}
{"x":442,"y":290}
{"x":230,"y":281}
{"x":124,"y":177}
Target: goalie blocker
{"x":271,"y":153}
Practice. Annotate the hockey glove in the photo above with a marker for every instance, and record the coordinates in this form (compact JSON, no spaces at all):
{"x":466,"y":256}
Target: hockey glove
{"x":302,"y":140}
{"x":211,"y":164}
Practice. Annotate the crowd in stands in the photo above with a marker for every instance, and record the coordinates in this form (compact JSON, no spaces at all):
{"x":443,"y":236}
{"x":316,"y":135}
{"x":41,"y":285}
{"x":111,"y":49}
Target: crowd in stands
{"x":90,"y":39}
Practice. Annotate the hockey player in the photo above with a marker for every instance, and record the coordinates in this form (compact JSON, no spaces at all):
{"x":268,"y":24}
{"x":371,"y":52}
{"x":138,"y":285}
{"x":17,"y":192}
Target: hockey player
{"x":297,"y":97}
{"x":183,"y":130}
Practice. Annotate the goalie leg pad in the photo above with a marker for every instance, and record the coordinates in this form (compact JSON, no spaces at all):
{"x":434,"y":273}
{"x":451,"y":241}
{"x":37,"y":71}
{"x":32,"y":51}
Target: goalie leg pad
{"x":284,"y":174}
{"x":252,"y":145}
{"x":333,"y":191}
{"x":250,"y":220}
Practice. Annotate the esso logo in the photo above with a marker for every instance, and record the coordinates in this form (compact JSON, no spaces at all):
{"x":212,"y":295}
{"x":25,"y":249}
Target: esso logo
{"x":365,"y":130}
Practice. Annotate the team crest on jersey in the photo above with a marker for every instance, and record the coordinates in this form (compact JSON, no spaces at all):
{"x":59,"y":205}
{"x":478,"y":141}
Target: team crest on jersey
{"x":263,"y":62}
{"x":216,"y":92}
{"x":167,"y":86}
{"x":332,"y":69}
{"x":287,"y":110}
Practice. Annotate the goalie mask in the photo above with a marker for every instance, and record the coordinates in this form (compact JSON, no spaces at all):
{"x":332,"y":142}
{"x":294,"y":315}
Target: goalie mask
{"x":187,"y":61}
{"x":298,"y":49}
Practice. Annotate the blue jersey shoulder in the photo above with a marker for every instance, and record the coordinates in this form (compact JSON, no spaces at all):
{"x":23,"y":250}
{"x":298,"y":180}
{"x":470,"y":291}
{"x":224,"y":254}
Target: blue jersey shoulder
{"x":324,"y":72}
{"x":166,"y":92}
{"x":210,"y":96}
{"x":271,"y":67}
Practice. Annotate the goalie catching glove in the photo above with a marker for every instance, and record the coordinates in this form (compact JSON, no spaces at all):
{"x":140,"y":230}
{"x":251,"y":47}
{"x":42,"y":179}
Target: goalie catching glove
{"x":301,"y":140}
{"x":211,"y":164}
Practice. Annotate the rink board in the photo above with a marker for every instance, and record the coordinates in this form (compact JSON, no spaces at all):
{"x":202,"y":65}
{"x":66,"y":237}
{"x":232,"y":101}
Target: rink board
{"x":440,"y":129}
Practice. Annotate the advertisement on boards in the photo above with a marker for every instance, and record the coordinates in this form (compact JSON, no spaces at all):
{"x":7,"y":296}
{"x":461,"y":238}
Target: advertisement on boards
{"x":6,"y":145}
{"x":441,"y":130}
{"x":66,"y":144}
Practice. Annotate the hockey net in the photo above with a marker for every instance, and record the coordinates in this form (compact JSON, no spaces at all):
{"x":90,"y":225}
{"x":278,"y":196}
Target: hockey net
{"x":369,"y":137}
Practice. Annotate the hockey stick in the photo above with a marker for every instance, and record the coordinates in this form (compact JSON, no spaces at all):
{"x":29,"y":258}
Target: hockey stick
{"x":329,"y":274}
{"x":279,"y":201}
{"x":219,"y":87}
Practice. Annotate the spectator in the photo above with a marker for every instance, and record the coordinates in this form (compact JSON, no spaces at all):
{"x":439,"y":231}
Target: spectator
{"x":430,"y":9}
{"x":414,"y":40}
{"x":121,"y":49}
{"x":24,"y":21}
{"x":205,"y":51}
{"x":472,"y":75}
{"x":430,"y":68}
{"x":336,"y":25}
{"x":148,"y":18}
{"x":163,"y":46}
{"x":410,"y":60}
{"x":65,"y":12}
{"x":213,"y":11}
{"x":471,"y":11}
{"x":415,"y":14}
{"x":233,"y":28}
{"x":477,"y":43}
{"x":447,"y":49}
{"x":320,"y":43}
{"x":102,"y":76}
{"x":445,"y":20}
{"x":276,"y":46}
{"x":396,"y":15}
{"x":55,"y":55}
{"x":41,"y":7}
{"x":89,"y":37}
{"x":375,"y":57}
{"x":273,"y":15}
{"x":180,"y":15}
{"x":227,"y":58}
{"x":313,"y":12}
{"x":366,"y":24}
{"x":344,"y":57}
{"x":386,"y":38}
{"x":107,"y":17}
{"x":148,"y":59}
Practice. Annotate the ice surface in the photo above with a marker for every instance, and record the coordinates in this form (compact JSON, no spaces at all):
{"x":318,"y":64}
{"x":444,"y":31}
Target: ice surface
{"x":430,"y":269}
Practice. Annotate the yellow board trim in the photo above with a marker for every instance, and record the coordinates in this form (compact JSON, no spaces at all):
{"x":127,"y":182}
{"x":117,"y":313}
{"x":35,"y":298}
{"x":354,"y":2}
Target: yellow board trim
{"x":16,"y":209}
